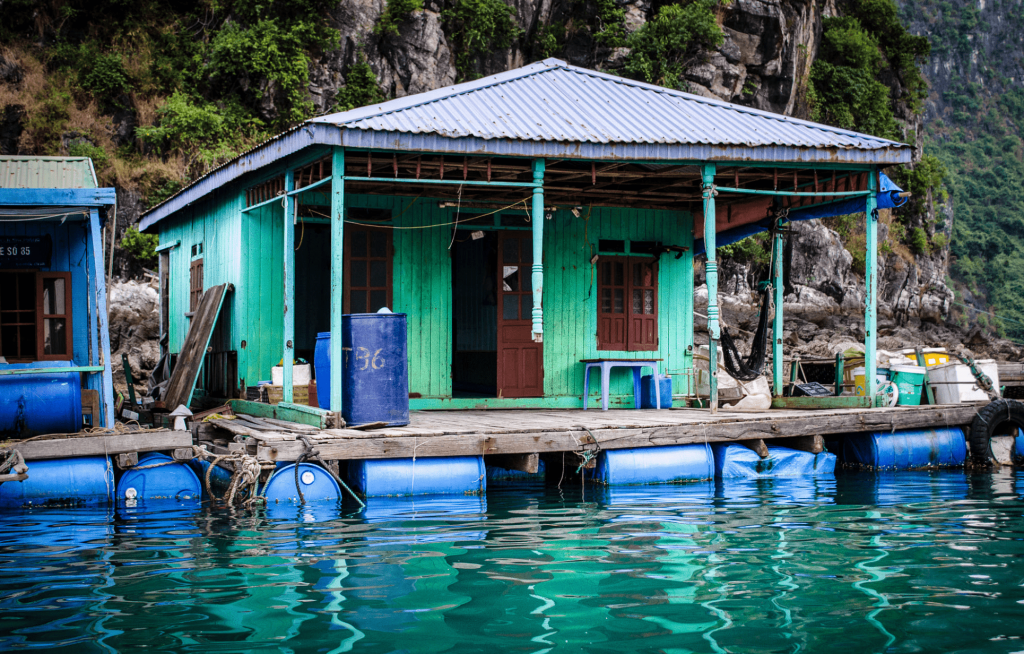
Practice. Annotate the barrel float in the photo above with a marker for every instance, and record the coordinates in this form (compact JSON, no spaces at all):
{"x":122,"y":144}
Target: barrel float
{"x":906,"y":449}
{"x":62,"y":482}
{"x":443,"y":475}
{"x":500,"y":475}
{"x":317,"y":485}
{"x":739,"y":461}
{"x":40,"y":403}
{"x":169,"y":481}
{"x":654,"y":465}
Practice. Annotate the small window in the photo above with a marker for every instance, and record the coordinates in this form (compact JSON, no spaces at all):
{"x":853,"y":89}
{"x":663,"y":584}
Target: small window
{"x":605,"y":245}
{"x":195,"y":284}
{"x":514,"y":220}
{"x":627,"y":304}
{"x":642,"y":247}
{"x":359,"y":215}
{"x":368,"y":265}
{"x":35,"y":316}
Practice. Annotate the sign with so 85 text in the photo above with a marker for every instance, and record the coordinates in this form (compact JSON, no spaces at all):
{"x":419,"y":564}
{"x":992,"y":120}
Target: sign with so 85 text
{"x":25,"y":251}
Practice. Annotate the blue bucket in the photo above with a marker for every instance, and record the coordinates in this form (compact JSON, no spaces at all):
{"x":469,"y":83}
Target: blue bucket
{"x":375,"y":375}
{"x":62,"y":482}
{"x":172,"y":481}
{"x":42,"y":403}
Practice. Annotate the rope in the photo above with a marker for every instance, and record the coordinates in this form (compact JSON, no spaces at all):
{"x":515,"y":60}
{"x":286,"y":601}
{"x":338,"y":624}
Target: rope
{"x":461,"y":221}
{"x":13,"y":460}
{"x":315,"y":455}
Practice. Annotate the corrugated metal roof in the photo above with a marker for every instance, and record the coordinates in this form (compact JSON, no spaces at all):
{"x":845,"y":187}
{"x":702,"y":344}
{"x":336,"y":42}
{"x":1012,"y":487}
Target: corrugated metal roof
{"x":46,"y":172}
{"x":552,"y":109}
{"x":551,"y":101}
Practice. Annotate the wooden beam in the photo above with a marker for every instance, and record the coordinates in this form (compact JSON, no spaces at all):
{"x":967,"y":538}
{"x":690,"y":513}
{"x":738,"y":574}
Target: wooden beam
{"x":104,"y":445}
{"x":526,"y":442}
{"x":528,"y":463}
{"x":299,"y":413}
{"x":814,"y":444}
{"x":830,"y":402}
{"x":58,"y":197}
{"x":758,"y":446}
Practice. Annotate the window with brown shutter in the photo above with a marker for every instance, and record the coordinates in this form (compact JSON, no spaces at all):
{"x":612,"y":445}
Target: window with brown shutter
{"x":627,"y":304}
{"x":35,"y":316}
{"x":368,"y":264}
{"x":195,"y":284}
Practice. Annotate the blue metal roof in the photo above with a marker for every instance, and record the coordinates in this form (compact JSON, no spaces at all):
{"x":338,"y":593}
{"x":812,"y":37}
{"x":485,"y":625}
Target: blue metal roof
{"x":552,"y":109}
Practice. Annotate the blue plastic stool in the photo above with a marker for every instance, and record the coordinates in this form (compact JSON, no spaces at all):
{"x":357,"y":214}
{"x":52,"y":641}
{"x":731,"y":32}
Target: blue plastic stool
{"x":606,"y":366}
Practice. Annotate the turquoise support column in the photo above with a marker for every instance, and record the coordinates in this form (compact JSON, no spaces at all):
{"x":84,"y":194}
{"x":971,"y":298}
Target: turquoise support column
{"x":871,"y":284}
{"x":777,"y":292}
{"x":538,"y":250}
{"x":711,"y":270}
{"x":107,"y":385}
{"x":289,"y":283}
{"x":337,"y":271}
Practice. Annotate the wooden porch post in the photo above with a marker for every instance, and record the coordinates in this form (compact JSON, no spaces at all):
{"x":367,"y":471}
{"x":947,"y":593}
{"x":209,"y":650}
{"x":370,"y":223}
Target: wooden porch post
{"x":871,"y":283}
{"x":289,"y":282}
{"x":337,"y":270}
{"x":777,"y":292}
{"x":99,"y":320}
{"x":538,"y":250}
{"x":711,"y":270}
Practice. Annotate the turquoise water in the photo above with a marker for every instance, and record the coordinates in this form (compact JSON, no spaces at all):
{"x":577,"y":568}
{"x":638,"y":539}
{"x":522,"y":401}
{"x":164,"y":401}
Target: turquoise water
{"x":901,"y":562}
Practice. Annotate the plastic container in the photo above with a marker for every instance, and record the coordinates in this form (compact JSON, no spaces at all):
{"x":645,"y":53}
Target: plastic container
{"x":881,"y":375}
{"x":174,"y":481}
{"x":43,"y":403}
{"x":301,"y":375}
{"x":906,"y":449}
{"x":954,"y":383}
{"x":654,"y":465}
{"x":933,"y":356}
{"x":375,"y":375}
{"x":442,"y":475}
{"x":909,"y":380}
{"x":316,"y":483}
{"x":647,"y":398}
{"x":734,"y":461}
{"x":62,"y":482}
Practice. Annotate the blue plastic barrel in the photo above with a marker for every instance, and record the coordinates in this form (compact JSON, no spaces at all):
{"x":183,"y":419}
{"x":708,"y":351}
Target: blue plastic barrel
{"x":428,"y":476}
{"x":907,"y":449}
{"x":172,"y":481}
{"x":654,"y":465}
{"x":42,"y":403}
{"x":62,"y":482}
{"x":375,"y":375}
{"x":739,"y":461}
{"x":316,"y":483}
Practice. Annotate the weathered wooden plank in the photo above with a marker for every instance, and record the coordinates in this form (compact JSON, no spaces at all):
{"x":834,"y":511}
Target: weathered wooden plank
{"x":813,"y":444}
{"x":831,"y":402}
{"x":289,"y":412}
{"x":555,"y":440}
{"x":190,"y":360}
{"x":528,"y":463}
{"x":106,"y":444}
{"x":758,"y":446}
{"x":241,"y":429}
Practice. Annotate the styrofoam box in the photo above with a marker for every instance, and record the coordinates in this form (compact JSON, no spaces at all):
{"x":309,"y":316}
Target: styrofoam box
{"x":300,"y":375}
{"x":964,"y":389}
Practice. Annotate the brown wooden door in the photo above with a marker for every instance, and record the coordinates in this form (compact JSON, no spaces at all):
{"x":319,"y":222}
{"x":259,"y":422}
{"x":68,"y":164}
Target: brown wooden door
{"x":520,"y":360}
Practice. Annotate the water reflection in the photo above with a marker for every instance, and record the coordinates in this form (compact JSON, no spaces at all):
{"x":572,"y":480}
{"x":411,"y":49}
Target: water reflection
{"x":858,"y":562}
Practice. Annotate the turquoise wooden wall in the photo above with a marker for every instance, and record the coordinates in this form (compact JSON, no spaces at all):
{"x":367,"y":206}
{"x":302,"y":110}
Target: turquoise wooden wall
{"x":246,"y":250}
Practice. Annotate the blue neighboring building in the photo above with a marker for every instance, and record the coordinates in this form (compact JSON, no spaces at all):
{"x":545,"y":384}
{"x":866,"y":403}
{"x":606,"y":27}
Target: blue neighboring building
{"x":53,"y":296}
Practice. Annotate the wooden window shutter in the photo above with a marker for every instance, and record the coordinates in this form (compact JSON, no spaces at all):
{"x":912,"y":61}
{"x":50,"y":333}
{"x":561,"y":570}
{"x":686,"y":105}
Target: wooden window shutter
{"x":612,"y":293}
{"x":195,"y":284}
{"x":368,"y":266}
{"x":643,"y":305}
{"x":53,"y":316}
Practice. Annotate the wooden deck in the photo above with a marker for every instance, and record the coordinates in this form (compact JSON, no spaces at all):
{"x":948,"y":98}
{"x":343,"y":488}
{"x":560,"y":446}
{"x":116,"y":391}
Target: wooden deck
{"x":460,"y":433}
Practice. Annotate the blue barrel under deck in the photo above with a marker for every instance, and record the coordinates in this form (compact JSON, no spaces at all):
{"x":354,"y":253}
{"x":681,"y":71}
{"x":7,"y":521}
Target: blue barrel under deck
{"x":40,"y":403}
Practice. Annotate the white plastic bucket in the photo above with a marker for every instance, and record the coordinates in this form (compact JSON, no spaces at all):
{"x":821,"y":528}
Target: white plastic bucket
{"x":300,"y":375}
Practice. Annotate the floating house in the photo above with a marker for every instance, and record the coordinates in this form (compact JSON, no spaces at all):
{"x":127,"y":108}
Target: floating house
{"x":525,"y":222}
{"x":54,"y":342}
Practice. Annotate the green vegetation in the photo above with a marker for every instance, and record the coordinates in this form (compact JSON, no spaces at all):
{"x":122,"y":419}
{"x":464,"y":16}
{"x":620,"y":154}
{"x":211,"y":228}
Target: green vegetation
{"x":755,"y":249}
{"x":360,"y":88}
{"x":663,"y":49}
{"x":859,"y":50}
{"x":141,"y":246}
{"x":476,"y":28}
{"x":395,"y":12}
{"x":94,"y":152}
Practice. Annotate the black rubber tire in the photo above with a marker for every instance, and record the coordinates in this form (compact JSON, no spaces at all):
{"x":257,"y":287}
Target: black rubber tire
{"x":991,"y":416}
